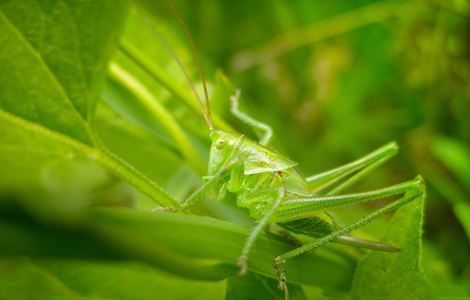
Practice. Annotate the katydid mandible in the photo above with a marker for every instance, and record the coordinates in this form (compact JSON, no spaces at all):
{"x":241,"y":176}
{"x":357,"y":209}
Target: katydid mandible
{"x":268,"y":186}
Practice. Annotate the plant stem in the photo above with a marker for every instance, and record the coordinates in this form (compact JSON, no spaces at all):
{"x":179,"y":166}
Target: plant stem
{"x":103,"y":156}
{"x":153,"y":106}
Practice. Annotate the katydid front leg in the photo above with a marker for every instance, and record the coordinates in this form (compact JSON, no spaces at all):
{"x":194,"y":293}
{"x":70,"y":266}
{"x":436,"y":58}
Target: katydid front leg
{"x":231,"y":161}
{"x":256,"y":231}
{"x":196,"y":195}
{"x":203,"y":189}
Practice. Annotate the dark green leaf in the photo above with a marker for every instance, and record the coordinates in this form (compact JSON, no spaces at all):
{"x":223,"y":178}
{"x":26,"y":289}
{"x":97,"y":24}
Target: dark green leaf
{"x":53,"y":55}
{"x":129,"y":281}
{"x":48,"y":92}
{"x":258,"y":287}
{"x":381,"y":275}
{"x":455,"y":156}
{"x":190,"y":246}
{"x":22,"y":279}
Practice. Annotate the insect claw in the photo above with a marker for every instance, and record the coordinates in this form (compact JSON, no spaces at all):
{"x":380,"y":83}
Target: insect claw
{"x":278,"y":264}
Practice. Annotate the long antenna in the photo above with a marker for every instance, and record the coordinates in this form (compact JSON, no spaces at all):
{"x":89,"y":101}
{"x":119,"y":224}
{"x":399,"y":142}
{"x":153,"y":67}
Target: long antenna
{"x":207,"y":118}
{"x":208,"y":113}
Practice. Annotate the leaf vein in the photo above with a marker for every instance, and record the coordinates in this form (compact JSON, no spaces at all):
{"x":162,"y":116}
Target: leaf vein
{"x":47,"y":68}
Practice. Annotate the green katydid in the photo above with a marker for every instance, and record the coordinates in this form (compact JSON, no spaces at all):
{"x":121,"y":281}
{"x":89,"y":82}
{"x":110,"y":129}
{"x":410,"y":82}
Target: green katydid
{"x":267,"y":184}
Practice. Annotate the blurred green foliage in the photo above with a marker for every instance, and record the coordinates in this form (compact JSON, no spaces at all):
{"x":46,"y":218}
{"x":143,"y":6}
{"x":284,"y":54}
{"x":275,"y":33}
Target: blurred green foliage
{"x":97,"y":123}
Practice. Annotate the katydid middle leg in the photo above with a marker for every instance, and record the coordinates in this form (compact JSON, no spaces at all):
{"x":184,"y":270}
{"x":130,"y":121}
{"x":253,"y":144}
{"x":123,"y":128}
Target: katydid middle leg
{"x":366,"y":244}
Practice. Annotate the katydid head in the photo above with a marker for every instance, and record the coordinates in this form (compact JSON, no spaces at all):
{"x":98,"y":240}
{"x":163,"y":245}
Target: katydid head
{"x":223,"y":144}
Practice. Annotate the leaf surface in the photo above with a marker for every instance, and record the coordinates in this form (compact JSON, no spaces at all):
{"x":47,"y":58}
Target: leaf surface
{"x":52,"y":59}
{"x":253,"y":286}
{"x":22,"y":279}
{"x":129,"y":281}
{"x":381,"y":275}
{"x":190,"y":246}
{"x":48,"y":91}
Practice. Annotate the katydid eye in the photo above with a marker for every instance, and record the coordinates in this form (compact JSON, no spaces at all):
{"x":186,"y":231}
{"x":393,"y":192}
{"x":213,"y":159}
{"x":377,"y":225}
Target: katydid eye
{"x":220,"y":143}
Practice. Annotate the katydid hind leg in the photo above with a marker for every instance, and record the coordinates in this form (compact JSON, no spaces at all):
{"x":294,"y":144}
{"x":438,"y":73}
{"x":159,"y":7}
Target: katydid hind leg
{"x":364,"y":243}
{"x":294,"y":209}
{"x":409,"y":195}
{"x":336,"y":180}
{"x":344,"y":184}
{"x":290,"y":237}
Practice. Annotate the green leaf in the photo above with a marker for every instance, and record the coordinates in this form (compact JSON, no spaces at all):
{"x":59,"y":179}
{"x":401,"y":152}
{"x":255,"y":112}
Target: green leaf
{"x":453,"y":193}
{"x":455,"y":156}
{"x":154,"y":158}
{"x":129,"y":281}
{"x":153,"y":106}
{"x":48,"y":92}
{"x":87,"y":280}
{"x":30,"y":138}
{"x":253,"y":287}
{"x":32,"y":162}
{"x":194,"y":247}
{"x":462,"y":211}
{"x":21,"y":279}
{"x":60,"y":50}
{"x":381,"y":275}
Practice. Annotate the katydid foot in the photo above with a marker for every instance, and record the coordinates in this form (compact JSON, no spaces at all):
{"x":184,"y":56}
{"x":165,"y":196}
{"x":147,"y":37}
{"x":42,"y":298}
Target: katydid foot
{"x":278,"y":264}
